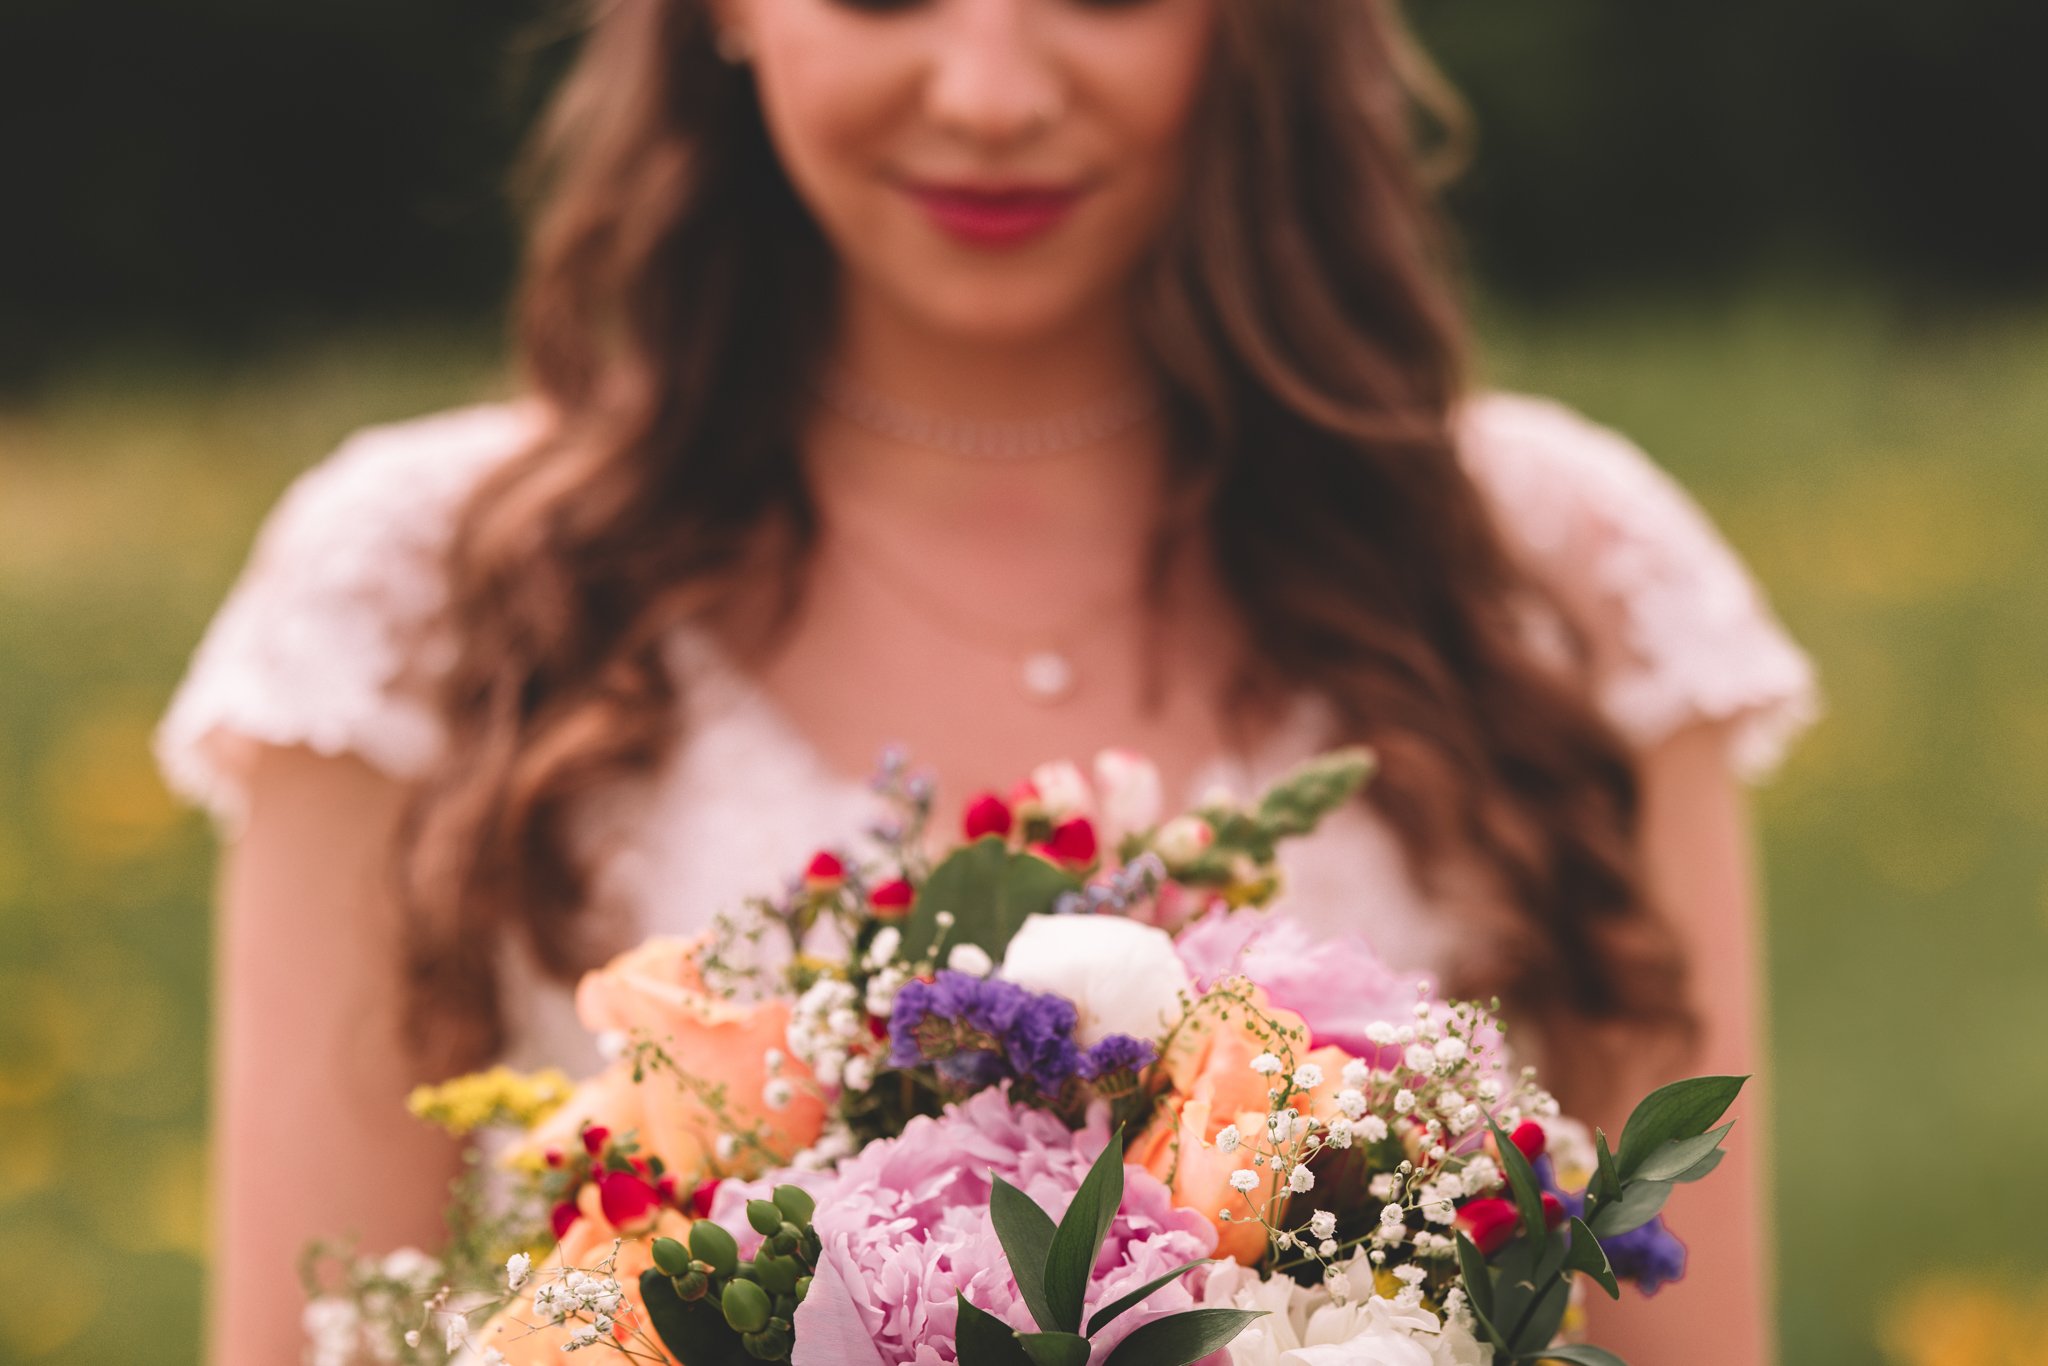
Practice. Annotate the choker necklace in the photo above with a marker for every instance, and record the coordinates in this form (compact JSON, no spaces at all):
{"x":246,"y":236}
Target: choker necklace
{"x":1020,"y":439}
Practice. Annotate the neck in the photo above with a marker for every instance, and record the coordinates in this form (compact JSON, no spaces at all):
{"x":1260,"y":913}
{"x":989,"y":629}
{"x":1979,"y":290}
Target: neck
{"x":1102,"y":491}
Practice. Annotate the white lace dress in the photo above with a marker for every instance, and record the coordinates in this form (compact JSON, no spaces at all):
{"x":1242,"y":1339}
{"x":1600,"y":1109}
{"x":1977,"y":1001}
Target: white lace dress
{"x":332,"y":637}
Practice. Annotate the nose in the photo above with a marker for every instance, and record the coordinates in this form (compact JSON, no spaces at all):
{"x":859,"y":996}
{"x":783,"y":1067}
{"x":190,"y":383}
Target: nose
{"x":994,"y":79}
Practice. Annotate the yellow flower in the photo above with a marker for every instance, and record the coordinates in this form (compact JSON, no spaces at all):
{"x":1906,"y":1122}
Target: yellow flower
{"x":499,"y":1096}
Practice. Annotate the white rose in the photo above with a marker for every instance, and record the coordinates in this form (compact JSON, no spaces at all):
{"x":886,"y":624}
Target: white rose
{"x":1123,"y":977}
{"x":1127,"y":787}
{"x":1061,"y":789}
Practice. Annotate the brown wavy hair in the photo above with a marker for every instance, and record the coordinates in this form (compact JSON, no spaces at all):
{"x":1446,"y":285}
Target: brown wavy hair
{"x":1302,"y":317}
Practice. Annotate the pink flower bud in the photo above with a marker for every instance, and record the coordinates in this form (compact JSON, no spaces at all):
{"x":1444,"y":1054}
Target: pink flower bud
{"x":594,"y":1139}
{"x":891,"y":900}
{"x":988,"y":815}
{"x":553,"y":1157}
{"x":825,"y":872}
{"x":1183,"y":839}
{"x":1530,"y":1138}
{"x":562,"y":1217}
{"x":630,"y":1205}
{"x":1553,"y":1210}
{"x":1072,"y":843}
{"x":1489,"y":1223}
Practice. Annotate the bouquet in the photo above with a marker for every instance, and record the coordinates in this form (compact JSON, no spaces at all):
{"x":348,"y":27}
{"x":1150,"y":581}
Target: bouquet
{"x":1067,"y":1091}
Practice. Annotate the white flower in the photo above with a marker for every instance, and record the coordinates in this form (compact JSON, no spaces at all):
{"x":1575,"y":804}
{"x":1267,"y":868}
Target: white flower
{"x":1308,"y":1076}
{"x":971,"y":959}
{"x":1466,"y":1120}
{"x":772,"y":1060}
{"x":1244,"y":1180}
{"x":882,"y":989}
{"x":1122,"y":976}
{"x":517,"y":1268}
{"x":1228,"y":1139}
{"x":1480,"y":1175}
{"x":1127,"y":785}
{"x":1450,"y":1052}
{"x":726,"y":1147}
{"x":1372,"y":1129}
{"x":1183,"y":839}
{"x":612,"y":1044}
{"x":1356,"y":1074}
{"x":1322,"y":1224}
{"x":1419,"y":1057}
{"x":1324,"y":1326}
{"x":1351,"y":1101}
{"x":1280,"y":1125}
{"x":1410,"y":1274}
{"x":882,"y":948}
{"x":1266,"y":1065}
{"x":1404,"y":1101}
{"x":1381,"y":1032}
{"x":860,"y":1073}
{"x":1339,"y":1133}
{"x":1393,"y":1224}
{"x":410,"y":1265}
{"x":1062,"y":791}
{"x":778,"y":1093}
{"x":1301,"y":1180}
{"x":493,"y":1357}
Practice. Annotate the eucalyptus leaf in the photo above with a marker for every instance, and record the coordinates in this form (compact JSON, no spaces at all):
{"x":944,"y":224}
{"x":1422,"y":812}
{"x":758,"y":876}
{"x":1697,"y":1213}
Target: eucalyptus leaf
{"x":1054,"y":1349}
{"x":989,"y":891}
{"x":1071,"y":1257}
{"x":981,"y":1339}
{"x":1181,"y":1338}
{"x":1026,"y":1232}
{"x":1514,"y":1283}
{"x":1540,"y":1326}
{"x":1589,"y":1257}
{"x":1522,"y":1180}
{"x":1681,"y":1155}
{"x":1639,"y":1204}
{"x":1478,"y":1280}
{"x":1684,"y":1109}
{"x":1606,"y":1186}
{"x":1102,"y":1317}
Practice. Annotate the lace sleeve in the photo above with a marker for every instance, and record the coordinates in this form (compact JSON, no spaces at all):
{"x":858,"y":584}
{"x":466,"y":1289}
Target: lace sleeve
{"x":332,"y":635}
{"x":1679,"y":631}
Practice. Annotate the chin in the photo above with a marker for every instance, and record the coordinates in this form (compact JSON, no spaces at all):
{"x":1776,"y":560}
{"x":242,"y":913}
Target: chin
{"x":998,"y":307}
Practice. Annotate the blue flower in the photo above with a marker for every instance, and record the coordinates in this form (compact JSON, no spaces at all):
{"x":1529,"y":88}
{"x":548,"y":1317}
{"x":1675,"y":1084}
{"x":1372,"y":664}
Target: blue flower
{"x":980,"y":1030}
{"x":1118,"y":1053}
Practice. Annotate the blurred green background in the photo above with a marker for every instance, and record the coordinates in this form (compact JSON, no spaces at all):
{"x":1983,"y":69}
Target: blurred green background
{"x":1793,"y":253}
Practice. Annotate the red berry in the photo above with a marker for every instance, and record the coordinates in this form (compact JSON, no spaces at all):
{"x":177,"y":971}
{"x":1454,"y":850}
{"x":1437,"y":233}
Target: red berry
{"x":825,"y":872}
{"x":553,"y":1157}
{"x":1553,"y":1210}
{"x":1073,"y":842}
{"x":988,"y":815}
{"x":1530,"y":1138}
{"x":1488,"y":1222}
{"x":594,"y":1139}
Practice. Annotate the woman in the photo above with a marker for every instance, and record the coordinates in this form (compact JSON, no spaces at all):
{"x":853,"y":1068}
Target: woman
{"x":1008,"y":378}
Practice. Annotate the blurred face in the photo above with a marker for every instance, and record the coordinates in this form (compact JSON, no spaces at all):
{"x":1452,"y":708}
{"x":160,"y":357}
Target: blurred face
{"x":993,"y":169}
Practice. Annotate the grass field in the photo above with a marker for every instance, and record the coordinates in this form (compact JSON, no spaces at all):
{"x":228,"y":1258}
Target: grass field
{"x":1886,"y":474}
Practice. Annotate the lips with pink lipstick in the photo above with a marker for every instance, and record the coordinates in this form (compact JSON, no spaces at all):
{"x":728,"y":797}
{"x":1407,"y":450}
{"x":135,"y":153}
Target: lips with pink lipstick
{"x":995,"y":215}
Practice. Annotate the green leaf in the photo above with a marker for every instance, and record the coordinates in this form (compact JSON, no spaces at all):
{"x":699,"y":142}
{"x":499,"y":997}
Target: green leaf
{"x":1108,"y":1312}
{"x":1681,"y":1155}
{"x":1540,"y":1326}
{"x":1581,"y":1355}
{"x":1589,"y":1257}
{"x":1181,"y":1338}
{"x":693,"y":1331}
{"x":1075,"y":1243}
{"x":981,"y":1339}
{"x":1297,"y":803}
{"x":1703,"y":1168}
{"x":1514,"y":1284}
{"x":1478,"y":1280}
{"x":990,"y":892}
{"x":1054,"y":1349}
{"x":1606,"y":1186}
{"x":1026,"y":1232}
{"x":1640,"y":1201}
{"x":1684,"y":1109}
{"x":1522,"y":1180}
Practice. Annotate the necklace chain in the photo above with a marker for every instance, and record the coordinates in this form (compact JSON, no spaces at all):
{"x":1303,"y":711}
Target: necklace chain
{"x":976,"y":439}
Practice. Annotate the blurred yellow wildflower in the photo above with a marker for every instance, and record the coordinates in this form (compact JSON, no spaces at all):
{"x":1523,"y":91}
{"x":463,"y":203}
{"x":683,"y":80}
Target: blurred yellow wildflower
{"x":1955,"y":1321}
{"x":498,"y":1096}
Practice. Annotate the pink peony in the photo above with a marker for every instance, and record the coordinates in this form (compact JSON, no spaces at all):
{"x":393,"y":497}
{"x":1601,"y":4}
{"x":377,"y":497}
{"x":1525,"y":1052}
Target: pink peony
{"x":905,"y":1227}
{"x":1338,"y":986}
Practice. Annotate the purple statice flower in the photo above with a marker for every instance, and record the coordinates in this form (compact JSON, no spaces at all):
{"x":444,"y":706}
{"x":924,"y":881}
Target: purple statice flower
{"x":979,"y":1030}
{"x":1648,"y":1257}
{"x":1118,"y":1053}
{"x":904,"y":1226}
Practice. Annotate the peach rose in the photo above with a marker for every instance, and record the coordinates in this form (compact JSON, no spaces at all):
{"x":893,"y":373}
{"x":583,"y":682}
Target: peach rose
{"x":525,"y":1342}
{"x":657,"y":992}
{"x":1213,"y":1086}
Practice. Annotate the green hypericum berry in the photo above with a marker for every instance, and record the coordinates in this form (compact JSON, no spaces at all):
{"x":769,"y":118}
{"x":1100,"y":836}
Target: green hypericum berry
{"x":712,"y":1246}
{"x":671,"y":1256}
{"x":772,"y":1343}
{"x":692,"y":1285}
{"x":795,"y":1202}
{"x":764,"y":1216}
{"x":777,"y":1273}
{"x":745,"y":1306}
{"x":802,"y":1288}
{"x":785,"y":1240}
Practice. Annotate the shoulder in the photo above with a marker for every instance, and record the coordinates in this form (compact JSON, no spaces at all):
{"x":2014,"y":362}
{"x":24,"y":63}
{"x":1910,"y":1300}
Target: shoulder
{"x":331,"y":635}
{"x":1679,"y":630}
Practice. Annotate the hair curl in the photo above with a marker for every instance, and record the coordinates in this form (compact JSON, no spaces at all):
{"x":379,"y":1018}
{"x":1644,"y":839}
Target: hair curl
{"x":1313,"y":355}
